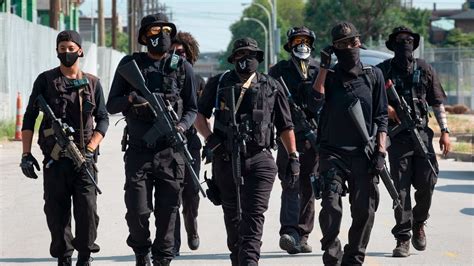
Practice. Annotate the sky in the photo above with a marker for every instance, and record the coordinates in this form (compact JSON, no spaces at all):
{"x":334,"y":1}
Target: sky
{"x":209,"y":20}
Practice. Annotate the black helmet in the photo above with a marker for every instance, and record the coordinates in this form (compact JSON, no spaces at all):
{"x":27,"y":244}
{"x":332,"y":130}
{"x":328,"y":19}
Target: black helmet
{"x":343,"y":30}
{"x":402,"y":29}
{"x":246,"y":44}
{"x":299,"y":31}
{"x":159,"y":19}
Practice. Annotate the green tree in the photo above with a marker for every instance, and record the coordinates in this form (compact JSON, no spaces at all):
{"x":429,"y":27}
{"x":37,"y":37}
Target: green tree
{"x":290,"y":13}
{"x":122,"y":41}
{"x":372,"y":18}
{"x":458,"y":38}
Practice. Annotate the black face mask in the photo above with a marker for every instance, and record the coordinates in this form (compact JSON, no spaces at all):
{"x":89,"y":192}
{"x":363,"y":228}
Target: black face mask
{"x":403,"y":55}
{"x":68,"y":59}
{"x":348,"y":59}
{"x":158,"y":44}
{"x":246,"y":65}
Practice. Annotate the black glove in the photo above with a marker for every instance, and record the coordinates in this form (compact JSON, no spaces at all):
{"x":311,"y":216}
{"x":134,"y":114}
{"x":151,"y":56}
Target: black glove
{"x":89,"y":157}
{"x":137,"y":99}
{"x":378,"y":162}
{"x":213,"y":193}
{"x":325,"y":54}
{"x":213,"y":147}
{"x":27,"y":163}
{"x":292,"y":171}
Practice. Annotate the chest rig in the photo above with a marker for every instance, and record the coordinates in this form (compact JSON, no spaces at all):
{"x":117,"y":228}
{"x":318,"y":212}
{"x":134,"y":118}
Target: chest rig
{"x":255,"y":115}
{"x":412,"y":88}
{"x":72,"y":101}
{"x":163,"y":80}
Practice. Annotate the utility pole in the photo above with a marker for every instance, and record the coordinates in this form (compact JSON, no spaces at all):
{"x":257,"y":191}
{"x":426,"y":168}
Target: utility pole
{"x":114,"y":24}
{"x":54,"y":9}
{"x":131,"y":26}
{"x":101,"y":24}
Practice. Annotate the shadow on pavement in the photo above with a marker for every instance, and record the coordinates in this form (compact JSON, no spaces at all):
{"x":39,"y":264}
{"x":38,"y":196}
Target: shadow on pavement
{"x":467,"y":211}
{"x":457,"y":188}
{"x":457,"y":175}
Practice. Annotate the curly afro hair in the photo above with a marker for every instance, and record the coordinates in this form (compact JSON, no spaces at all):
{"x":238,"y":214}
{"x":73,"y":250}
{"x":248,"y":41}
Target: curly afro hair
{"x":191,"y":46}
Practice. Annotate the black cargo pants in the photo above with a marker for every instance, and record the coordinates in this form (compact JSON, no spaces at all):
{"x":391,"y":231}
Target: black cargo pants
{"x":162,"y":171}
{"x":243,"y":239}
{"x":61,"y":183}
{"x":337,"y":169}
{"x":190,"y":195}
{"x":408,"y":167}
{"x":297,"y":204}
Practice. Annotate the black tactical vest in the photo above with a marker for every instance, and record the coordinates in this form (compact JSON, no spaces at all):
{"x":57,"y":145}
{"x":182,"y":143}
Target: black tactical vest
{"x":255,"y":115}
{"x":162,"y":80}
{"x":62,"y":95}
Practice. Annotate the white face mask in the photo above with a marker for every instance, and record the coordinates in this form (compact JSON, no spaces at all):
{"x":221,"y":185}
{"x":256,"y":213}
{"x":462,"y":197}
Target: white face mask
{"x":301,"y":51}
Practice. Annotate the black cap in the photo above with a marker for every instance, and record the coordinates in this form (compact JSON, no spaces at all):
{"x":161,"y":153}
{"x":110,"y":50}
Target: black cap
{"x":299,"y":31}
{"x":402,"y":29}
{"x":246,"y":44}
{"x":69,"y":35}
{"x":344,"y":30}
{"x":159,"y":19}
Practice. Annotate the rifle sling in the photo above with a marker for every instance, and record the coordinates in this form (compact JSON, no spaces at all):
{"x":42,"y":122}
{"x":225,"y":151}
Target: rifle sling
{"x":243,"y":90}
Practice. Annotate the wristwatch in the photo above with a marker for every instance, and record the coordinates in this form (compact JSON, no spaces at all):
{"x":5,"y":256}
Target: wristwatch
{"x":294,"y":155}
{"x":445,"y":130}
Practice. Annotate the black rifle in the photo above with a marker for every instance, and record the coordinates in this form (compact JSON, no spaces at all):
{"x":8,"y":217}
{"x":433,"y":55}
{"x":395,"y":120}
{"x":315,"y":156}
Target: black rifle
{"x":235,"y":142}
{"x":63,"y":135}
{"x":165,"y":118}
{"x":404,"y":111}
{"x":299,"y":118}
{"x":355,"y":111}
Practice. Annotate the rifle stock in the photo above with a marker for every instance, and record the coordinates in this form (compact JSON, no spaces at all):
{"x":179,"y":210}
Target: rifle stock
{"x":355,"y":112}
{"x":164,"y":124}
{"x":63,"y":135}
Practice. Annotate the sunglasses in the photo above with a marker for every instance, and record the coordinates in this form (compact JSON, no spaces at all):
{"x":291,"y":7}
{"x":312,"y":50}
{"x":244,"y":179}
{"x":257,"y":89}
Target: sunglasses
{"x":242,"y":53}
{"x":300,"y":40}
{"x":406,"y":39}
{"x":155,"y":30}
{"x":348,"y":43}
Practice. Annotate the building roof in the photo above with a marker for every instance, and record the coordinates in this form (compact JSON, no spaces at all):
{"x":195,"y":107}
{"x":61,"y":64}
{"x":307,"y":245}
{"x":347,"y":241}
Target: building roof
{"x":466,"y":15}
{"x":440,"y":13}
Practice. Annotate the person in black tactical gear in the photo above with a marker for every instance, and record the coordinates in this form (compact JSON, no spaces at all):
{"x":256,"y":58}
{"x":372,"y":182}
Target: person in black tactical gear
{"x":185,"y":46}
{"x":343,"y":165}
{"x":260,"y":105}
{"x":153,"y":166}
{"x":297,"y":199}
{"x":417,"y":83}
{"x":76,"y":98}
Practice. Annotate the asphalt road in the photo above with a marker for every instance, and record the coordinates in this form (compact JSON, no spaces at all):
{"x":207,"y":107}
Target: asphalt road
{"x":24,"y":237}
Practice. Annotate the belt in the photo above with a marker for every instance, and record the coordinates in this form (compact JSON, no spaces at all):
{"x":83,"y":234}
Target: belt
{"x":141,"y":144}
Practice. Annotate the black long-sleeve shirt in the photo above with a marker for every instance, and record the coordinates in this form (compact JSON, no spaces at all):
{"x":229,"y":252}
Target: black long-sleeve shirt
{"x":337,"y":129}
{"x":120,"y":89}
{"x":100,"y":115}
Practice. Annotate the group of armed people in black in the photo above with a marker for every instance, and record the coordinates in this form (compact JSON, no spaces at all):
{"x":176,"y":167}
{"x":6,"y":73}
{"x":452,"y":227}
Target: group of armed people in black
{"x":329,"y":123}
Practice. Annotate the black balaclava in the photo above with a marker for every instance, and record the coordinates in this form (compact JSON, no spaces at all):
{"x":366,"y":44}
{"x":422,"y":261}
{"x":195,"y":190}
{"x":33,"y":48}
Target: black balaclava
{"x":68,"y":59}
{"x":159,"y":43}
{"x":246,"y":65}
{"x":403,"y":55}
{"x":348,"y":59}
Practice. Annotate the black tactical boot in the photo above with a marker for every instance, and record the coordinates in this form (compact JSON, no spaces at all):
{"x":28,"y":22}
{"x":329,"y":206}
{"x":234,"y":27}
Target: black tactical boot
{"x":64,"y":261}
{"x":402,"y":249}
{"x":161,"y":262}
{"x":142,"y":260}
{"x":419,"y":238}
{"x":289,"y":244}
{"x":84,"y":260}
{"x":305,"y":248}
{"x":193,"y":242}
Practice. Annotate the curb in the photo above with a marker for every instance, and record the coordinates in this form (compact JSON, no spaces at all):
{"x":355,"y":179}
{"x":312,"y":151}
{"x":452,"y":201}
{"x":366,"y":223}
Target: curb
{"x":457,"y":156}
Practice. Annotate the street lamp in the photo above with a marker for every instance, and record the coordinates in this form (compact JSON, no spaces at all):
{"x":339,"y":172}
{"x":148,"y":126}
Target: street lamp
{"x":266,"y":39}
{"x":270,"y":29}
{"x":275,"y":32}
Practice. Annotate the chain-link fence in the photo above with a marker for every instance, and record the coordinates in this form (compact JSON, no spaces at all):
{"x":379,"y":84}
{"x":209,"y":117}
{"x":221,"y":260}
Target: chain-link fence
{"x":455,"y":68}
{"x":27,"y":49}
